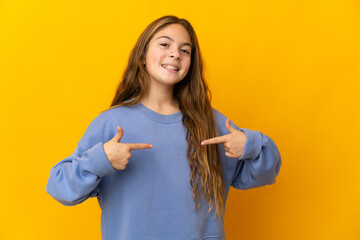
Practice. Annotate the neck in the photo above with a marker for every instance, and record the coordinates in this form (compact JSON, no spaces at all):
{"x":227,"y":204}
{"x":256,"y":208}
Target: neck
{"x":161,"y":99}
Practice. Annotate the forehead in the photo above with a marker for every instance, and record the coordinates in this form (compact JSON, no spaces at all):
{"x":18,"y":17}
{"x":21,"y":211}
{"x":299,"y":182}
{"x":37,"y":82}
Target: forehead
{"x":174,"y":31}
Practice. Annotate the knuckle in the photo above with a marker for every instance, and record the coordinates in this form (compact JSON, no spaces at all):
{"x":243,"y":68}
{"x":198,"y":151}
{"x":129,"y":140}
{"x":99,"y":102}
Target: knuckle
{"x":228,"y":154}
{"x":123,"y":164}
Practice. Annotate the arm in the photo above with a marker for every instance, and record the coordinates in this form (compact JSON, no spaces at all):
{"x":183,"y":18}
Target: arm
{"x":76,"y":178}
{"x":260,"y":162}
{"x":252,"y":158}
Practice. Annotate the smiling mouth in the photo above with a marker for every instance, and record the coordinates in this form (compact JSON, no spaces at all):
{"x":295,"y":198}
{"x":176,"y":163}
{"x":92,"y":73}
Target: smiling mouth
{"x":169,"y":67}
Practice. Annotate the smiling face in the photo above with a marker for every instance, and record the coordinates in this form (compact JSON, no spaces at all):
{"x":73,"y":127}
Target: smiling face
{"x":169,"y":55}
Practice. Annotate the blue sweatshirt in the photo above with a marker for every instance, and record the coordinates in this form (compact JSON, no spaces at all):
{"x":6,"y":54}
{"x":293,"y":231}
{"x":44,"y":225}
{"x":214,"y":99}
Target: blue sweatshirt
{"x":152,"y":198}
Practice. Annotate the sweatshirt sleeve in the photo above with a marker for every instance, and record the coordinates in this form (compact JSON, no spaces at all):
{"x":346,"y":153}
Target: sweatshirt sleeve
{"x":76,"y":178}
{"x":260,"y":162}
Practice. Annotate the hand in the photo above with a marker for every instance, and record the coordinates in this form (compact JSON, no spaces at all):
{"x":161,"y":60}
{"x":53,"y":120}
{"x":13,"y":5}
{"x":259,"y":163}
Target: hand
{"x":119,"y":153}
{"x":233,"y":143}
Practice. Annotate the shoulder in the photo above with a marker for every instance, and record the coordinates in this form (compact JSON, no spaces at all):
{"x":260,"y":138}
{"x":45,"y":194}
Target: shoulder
{"x":220,"y":120}
{"x":106,"y":117}
{"x":219,"y":117}
{"x":113,"y":114}
{"x":103,"y":126}
{"x":110,"y":112}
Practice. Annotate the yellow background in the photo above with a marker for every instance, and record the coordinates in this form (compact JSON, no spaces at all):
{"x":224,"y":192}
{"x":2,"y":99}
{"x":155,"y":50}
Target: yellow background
{"x":289,"y":69}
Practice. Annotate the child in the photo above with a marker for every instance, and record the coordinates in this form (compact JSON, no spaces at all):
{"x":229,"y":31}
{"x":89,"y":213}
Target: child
{"x":153,"y":158}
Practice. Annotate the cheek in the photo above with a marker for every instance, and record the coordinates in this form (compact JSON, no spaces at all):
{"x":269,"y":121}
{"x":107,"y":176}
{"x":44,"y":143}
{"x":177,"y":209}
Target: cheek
{"x":188,"y":65}
{"x":154,"y":56}
{"x":151,"y":61}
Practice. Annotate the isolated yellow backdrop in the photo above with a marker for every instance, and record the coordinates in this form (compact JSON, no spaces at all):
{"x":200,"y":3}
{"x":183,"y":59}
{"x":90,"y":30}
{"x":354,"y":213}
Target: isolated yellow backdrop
{"x":289,"y":69}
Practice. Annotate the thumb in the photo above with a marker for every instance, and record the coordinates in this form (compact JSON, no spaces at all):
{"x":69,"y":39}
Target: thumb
{"x":119,"y":134}
{"x":229,"y":127}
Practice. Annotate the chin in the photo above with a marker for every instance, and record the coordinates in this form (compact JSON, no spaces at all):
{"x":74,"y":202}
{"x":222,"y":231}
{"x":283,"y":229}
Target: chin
{"x":171,"y":81}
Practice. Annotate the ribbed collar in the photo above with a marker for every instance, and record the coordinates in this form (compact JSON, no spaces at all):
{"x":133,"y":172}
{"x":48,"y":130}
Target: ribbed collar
{"x":161,"y":118}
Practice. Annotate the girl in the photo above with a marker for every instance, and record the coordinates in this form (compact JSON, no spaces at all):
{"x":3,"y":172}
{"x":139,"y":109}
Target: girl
{"x":153,"y":159}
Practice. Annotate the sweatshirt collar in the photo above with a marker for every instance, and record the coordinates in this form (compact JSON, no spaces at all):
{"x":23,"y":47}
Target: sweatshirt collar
{"x":170,"y":118}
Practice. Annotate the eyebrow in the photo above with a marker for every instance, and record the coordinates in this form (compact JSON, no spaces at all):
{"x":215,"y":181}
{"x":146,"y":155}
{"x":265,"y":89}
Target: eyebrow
{"x":172,"y":40}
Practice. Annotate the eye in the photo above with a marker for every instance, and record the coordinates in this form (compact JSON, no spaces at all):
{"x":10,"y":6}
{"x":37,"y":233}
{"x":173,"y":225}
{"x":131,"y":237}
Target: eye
{"x":164,"y":44}
{"x":185,"y":51}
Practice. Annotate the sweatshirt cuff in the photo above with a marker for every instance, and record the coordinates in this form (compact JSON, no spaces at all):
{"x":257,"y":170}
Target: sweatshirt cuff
{"x":253,"y":144}
{"x":99,"y":161}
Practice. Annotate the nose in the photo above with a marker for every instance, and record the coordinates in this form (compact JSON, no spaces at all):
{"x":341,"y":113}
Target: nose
{"x":175,"y":54}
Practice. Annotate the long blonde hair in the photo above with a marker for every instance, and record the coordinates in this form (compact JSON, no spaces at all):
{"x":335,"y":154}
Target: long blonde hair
{"x":194,"y":97}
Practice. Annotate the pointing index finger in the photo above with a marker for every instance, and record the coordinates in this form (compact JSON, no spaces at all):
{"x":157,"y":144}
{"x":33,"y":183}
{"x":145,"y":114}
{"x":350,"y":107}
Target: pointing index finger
{"x":214,"y":140}
{"x":139,"y":146}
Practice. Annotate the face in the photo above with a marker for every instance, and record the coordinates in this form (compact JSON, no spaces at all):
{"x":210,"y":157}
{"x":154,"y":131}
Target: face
{"x":169,"y":54}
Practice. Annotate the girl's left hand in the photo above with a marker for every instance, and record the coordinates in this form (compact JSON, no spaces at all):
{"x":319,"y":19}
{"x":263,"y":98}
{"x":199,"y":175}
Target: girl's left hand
{"x":233,"y":143}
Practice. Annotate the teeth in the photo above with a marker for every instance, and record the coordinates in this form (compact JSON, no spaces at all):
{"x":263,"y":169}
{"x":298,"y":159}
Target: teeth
{"x":169,"y":67}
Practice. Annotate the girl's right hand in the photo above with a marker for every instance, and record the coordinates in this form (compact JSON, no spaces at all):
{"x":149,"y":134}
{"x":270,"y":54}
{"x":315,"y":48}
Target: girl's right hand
{"x":118,"y":153}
